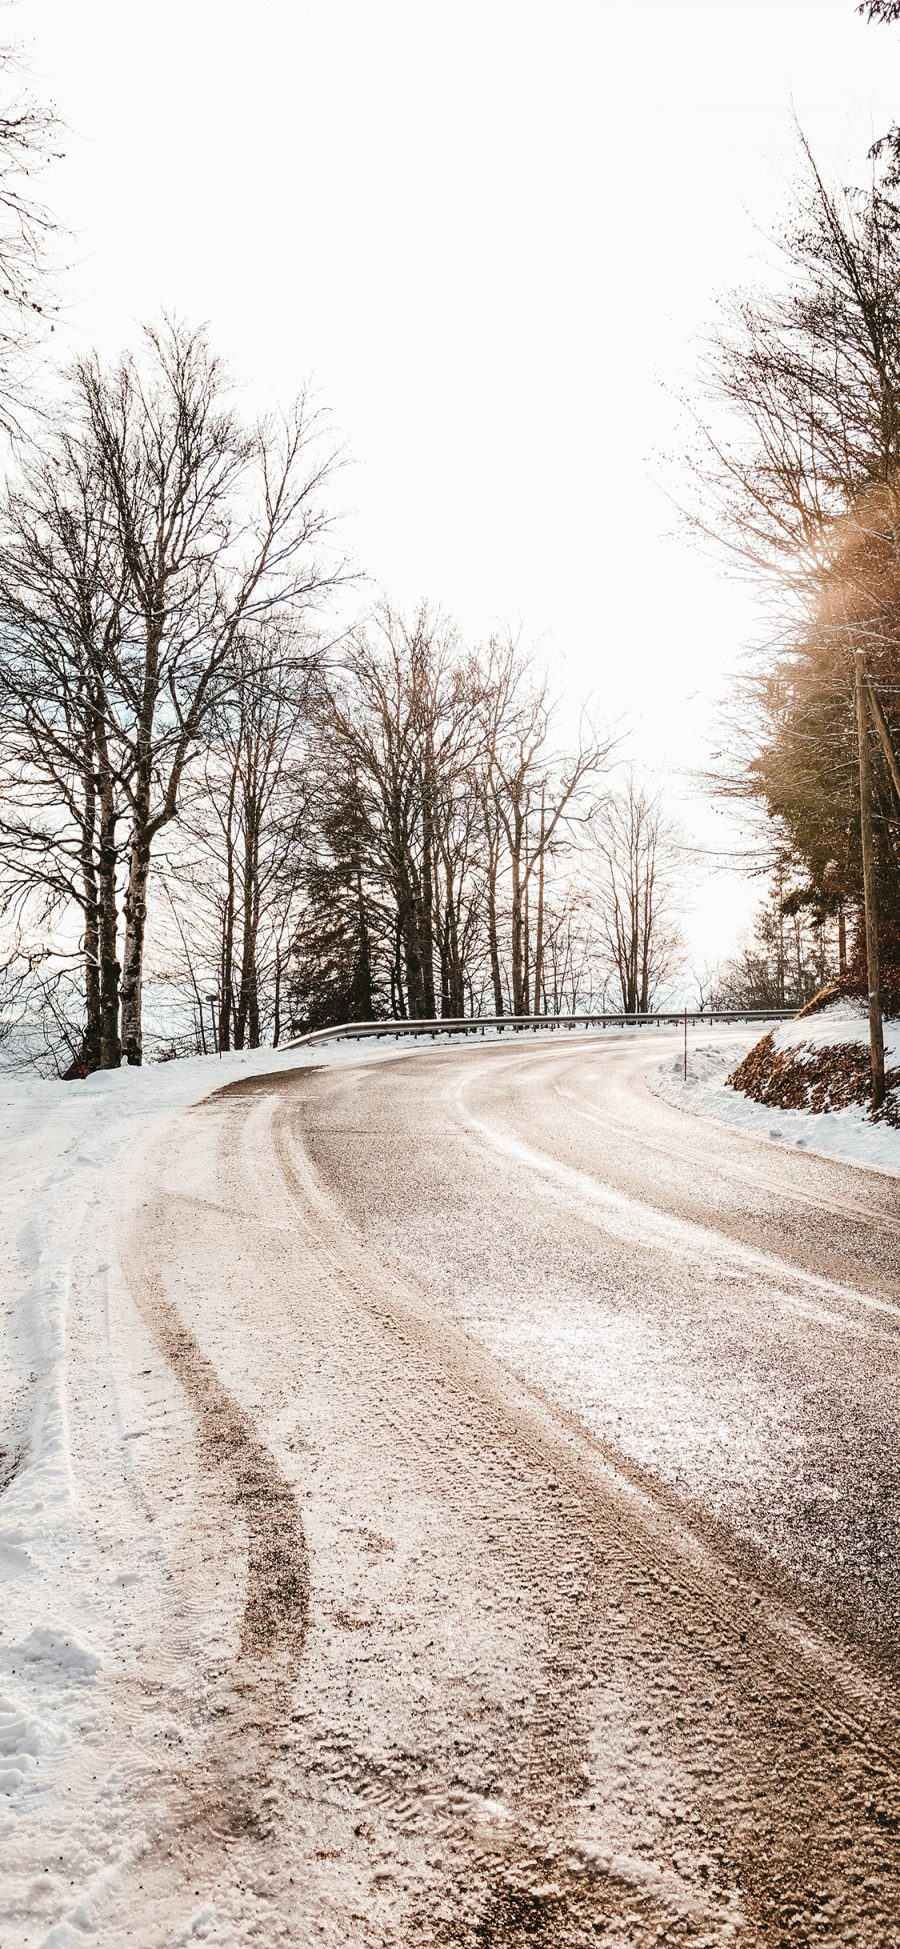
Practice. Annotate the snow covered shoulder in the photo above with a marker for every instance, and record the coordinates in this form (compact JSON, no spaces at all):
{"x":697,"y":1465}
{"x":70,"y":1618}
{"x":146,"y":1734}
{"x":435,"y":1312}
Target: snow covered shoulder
{"x":805,"y":1083}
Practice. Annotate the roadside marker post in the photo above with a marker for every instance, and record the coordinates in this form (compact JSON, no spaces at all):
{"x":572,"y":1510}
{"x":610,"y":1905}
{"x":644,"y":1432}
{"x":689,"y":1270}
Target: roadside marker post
{"x":685,"y":1045}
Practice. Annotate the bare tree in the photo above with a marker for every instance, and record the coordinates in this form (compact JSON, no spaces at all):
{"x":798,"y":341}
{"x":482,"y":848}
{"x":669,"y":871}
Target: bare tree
{"x":575,"y":974}
{"x":237,"y":849}
{"x":156,"y":528}
{"x":792,"y":954}
{"x":461,"y":808}
{"x":216,"y":524}
{"x":401,"y":716}
{"x":532,"y":794}
{"x":634,"y":893}
{"x":707,"y":982}
{"x":28,"y":136}
{"x":62,"y":614}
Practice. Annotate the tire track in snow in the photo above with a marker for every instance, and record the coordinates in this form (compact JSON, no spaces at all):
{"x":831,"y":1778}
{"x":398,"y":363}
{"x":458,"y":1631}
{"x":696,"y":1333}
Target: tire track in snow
{"x":276,"y":1605}
{"x":215,"y":1798}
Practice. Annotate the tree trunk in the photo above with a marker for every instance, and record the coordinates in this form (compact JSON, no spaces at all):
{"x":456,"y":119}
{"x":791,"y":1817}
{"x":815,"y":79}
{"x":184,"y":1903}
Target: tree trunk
{"x":539,"y":932}
{"x":453,"y":1002}
{"x":493,"y":944}
{"x":518,"y":985}
{"x":247,"y":1017}
{"x":408,"y":921}
{"x":90,"y":1049}
{"x":110,"y":1040}
{"x":426,"y":930}
{"x":365,"y":958}
{"x":457,"y":973}
{"x":276,"y":1023}
{"x":398,"y":999}
{"x":446,"y":976}
{"x":226,"y":971}
{"x":141,"y":839}
{"x":133,"y":957}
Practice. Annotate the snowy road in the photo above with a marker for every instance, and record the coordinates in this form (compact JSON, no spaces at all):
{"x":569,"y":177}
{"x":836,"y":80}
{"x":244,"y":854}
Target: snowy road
{"x":494,"y":1492}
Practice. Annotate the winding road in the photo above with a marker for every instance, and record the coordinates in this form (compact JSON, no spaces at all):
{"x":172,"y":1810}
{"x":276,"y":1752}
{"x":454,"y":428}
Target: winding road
{"x":529,"y":1489}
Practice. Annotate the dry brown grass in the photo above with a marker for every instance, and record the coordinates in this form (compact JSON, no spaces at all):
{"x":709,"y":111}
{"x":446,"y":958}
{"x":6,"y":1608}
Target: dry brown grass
{"x":807,"y":1077}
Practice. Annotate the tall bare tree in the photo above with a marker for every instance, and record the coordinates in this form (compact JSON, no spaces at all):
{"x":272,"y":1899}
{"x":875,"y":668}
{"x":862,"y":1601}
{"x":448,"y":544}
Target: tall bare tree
{"x":402,"y":716}
{"x":237,"y":850}
{"x":62,"y":613}
{"x":633,"y":893}
{"x":156,"y":527}
{"x":533,"y":793}
{"x":216,"y":524}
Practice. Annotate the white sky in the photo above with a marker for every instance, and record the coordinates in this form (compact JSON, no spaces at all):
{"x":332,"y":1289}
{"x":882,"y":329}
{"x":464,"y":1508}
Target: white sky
{"x":492,"y":233}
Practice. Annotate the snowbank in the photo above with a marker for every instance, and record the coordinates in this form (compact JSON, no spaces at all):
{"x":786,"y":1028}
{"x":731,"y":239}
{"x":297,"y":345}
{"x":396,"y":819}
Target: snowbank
{"x":70,"y":1588}
{"x":849,"y":1134}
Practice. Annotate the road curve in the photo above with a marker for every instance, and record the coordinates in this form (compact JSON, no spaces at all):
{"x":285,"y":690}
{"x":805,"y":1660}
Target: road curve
{"x":532,"y":1517}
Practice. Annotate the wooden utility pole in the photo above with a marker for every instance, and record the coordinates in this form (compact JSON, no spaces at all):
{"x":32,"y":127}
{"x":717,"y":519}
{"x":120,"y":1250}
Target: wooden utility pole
{"x":876,"y":1028}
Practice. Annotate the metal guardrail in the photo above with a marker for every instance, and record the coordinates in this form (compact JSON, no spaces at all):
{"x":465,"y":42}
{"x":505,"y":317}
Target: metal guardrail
{"x":464,"y":1025}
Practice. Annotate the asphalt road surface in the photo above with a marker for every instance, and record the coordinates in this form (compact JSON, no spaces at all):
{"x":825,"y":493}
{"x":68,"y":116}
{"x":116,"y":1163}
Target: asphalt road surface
{"x":530,"y":1502}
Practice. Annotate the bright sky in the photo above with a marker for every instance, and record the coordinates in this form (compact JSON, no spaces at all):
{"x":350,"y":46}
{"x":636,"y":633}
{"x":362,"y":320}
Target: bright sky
{"x":492,"y":233}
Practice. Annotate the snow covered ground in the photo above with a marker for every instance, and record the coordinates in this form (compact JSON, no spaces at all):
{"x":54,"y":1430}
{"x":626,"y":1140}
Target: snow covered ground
{"x":90,"y":1415}
{"x":65,"y":1174}
{"x":848,"y":1134}
{"x":79,"y":1593}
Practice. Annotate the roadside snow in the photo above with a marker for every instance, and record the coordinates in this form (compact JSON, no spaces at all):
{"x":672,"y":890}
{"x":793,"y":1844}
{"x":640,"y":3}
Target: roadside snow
{"x":79,"y":1571}
{"x":848,"y":1134}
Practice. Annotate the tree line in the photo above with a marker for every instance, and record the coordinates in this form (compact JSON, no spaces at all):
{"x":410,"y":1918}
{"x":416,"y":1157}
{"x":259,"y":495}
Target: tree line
{"x":143,"y":534}
{"x":442,"y":811}
{"x":211,"y":794}
{"x":224,"y":813}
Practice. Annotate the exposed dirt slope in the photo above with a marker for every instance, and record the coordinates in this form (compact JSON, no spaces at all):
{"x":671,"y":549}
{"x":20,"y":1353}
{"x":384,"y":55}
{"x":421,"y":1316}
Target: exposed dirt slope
{"x":810,"y":1076}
